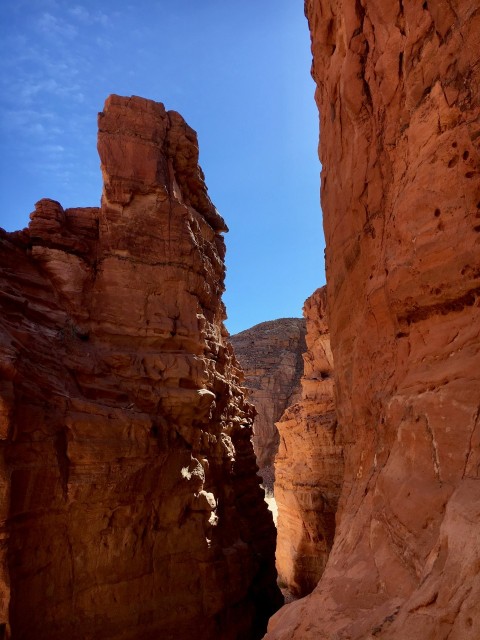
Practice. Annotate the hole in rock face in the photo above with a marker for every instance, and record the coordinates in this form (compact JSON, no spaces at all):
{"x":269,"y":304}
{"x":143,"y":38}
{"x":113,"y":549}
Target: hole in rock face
{"x":425,"y":6}
{"x":454,"y":145}
{"x":452,"y":162}
{"x":469,"y":174}
{"x":465,"y":155}
{"x":154,"y":431}
{"x":437,"y":213}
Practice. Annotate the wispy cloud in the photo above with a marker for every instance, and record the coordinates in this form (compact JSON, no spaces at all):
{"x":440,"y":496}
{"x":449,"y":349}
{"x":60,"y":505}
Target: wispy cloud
{"x":36,"y":123}
{"x":55,"y":25}
{"x":36,"y":73}
{"x":28,"y":89}
{"x":53,"y":149}
{"x":46,"y":59}
{"x":105,"y":43}
{"x":89,"y":17}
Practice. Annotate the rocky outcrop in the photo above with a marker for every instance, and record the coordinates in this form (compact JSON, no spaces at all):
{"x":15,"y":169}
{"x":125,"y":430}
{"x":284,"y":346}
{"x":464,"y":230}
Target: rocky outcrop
{"x":130,"y":503}
{"x":270,"y":354}
{"x":399,"y":100}
{"x":309,"y":463}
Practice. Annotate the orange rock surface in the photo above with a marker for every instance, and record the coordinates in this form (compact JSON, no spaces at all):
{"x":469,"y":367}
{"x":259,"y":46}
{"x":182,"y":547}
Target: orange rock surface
{"x":399,"y":100}
{"x":130,"y":504}
{"x":309,"y":463}
{"x":270,"y":354}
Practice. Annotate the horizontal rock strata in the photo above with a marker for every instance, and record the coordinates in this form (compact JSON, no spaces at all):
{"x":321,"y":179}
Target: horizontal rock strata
{"x":130,"y":504}
{"x":399,"y":100}
{"x":270,"y":354}
{"x":309,"y":463}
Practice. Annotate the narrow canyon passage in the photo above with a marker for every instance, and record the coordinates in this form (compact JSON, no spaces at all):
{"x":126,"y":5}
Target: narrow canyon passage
{"x":288,"y":368}
{"x":130,"y":501}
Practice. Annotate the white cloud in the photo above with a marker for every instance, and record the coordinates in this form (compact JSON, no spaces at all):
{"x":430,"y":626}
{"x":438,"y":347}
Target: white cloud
{"x":53,"y":149}
{"x":36,"y":128}
{"x":22,"y":117}
{"x":89,"y":17}
{"x":36,"y":124}
{"x":29,"y":87}
{"x":105,"y":43}
{"x":50,"y":24}
{"x":80,"y":12}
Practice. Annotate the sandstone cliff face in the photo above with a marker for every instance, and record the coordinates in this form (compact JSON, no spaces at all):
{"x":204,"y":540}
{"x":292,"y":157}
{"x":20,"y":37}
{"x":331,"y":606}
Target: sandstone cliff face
{"x":399,"y":99}
{"x":309,"y":463}
{"x":270,"y":354}
{"x":130,"y":504}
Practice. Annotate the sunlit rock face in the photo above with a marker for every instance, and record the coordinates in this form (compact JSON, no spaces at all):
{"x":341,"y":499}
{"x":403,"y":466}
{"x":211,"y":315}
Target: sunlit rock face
{"x":309,"y":462}
{"x":270,"y":354}
{"x":130,"y":504}
{"x":399,"y":100}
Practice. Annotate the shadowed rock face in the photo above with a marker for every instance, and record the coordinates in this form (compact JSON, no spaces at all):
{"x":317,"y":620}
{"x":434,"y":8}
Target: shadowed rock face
{"x":309,"y":462}
{"x":130,"y":504}
{"x":399,"y":100}
{"x":270,"y":354}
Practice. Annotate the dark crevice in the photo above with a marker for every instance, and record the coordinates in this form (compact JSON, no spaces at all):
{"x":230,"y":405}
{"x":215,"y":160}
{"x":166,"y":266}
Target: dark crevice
{"x":444,"y":308}
{"x":63,"y":462}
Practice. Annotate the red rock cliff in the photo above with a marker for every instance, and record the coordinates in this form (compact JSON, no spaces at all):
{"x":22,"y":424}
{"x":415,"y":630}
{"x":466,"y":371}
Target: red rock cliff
{"x":130,"y":504}
{"x":270,"y":354}
{"x":309,"y":462}
{"x":399,"y":100}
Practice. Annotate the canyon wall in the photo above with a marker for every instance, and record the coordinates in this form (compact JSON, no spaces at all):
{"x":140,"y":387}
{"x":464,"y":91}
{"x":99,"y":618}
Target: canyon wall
{"x":130,"y":502}
{"x":270,"y":354}
{"x":398,"y":90}
{"x":309,"y":462}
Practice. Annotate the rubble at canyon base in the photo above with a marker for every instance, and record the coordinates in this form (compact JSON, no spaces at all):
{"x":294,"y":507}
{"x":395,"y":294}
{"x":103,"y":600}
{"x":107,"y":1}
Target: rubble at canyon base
{"x":270,"y":354}
{"x":130,"y":501}
{"x":309,"y":463}
{"x":399,"y":101}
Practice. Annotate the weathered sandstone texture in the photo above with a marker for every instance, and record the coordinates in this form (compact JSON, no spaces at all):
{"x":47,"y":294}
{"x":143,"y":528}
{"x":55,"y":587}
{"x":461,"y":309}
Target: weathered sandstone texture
{"x":309,"y":462}
{"x":399,"y":100}
{"x":270,"y":354}
{"x":130,"y":504}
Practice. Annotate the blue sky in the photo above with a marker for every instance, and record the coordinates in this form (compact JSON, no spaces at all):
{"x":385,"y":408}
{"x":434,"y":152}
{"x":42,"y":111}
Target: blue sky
{"x":238,"y":72}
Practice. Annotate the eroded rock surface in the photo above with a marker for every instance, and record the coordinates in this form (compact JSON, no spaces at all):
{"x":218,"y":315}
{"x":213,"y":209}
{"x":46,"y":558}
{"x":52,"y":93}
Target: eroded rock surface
{"x":270,"y":354}
{"x":130,"y":504}
{"x":399,"y":100}
{"x":309,"y":462}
